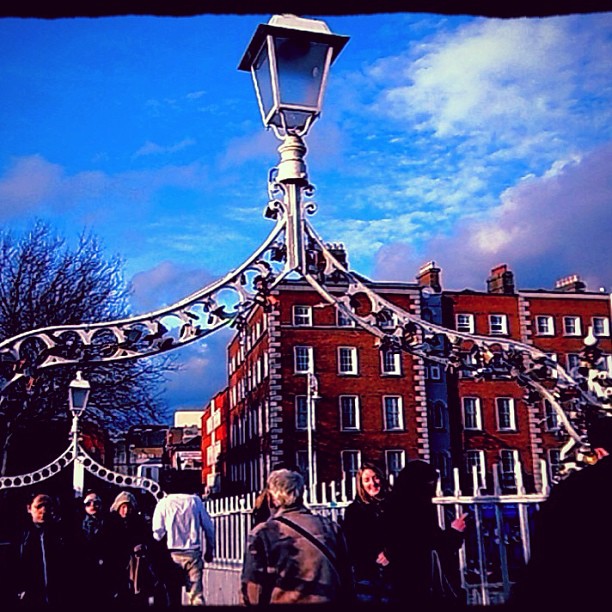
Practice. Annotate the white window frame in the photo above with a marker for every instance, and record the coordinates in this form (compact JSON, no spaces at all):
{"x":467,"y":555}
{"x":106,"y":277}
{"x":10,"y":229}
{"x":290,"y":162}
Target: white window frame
{"x":515,"y":460}
{"x":356,"y":408}
{"x":400,"y":454}
{"x":301,"y":461}
{"x":603,"y":323}
{"x":301,"y":413}
{"x":441,"y":461}
{"x":551,"y":418}
{"x":476,"y":458}
{"x":500,"y":327}
{"x":477,"y":416}
{"x":464,"y":322}
{"x":355,"y":462}
{"x":554,"y":463}
{"x":399,"y":412}
{"x":572,"y":360}
{"x":349,"y":352}
{"x":434,"y":372}
{"x":389,"y":322}
{"x":545,"y":325}
{"x":343,"y":320}
{"x":390,"y":363}
{"x":572,"y":326}
{"x":309,"y":356}
{"x":302,"y":315}
{"x":511,"y":413}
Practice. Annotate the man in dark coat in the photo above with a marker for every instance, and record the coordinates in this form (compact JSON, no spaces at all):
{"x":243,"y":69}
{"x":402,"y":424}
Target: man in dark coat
{"x":42,"y":558}
{"x":570,"y":565}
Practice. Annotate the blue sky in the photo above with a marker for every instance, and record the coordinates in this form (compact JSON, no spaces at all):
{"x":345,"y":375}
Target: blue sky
{"x":470,"y":141}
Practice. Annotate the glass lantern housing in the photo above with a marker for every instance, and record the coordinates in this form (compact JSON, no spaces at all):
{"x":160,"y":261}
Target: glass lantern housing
{"x":78,"y":395}
{"x":289,"y":59}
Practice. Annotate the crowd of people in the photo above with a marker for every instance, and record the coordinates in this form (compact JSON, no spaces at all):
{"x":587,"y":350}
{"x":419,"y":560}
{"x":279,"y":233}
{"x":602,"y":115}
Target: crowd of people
{"x":388,"y":548}
{"x":112,"y":557}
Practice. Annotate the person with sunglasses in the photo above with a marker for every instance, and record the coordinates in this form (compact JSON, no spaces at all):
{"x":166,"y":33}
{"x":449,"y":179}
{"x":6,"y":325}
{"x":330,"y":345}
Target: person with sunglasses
{"x":92,"y":549}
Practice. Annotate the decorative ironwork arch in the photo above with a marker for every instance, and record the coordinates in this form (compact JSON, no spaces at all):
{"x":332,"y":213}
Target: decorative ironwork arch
{"x":89,"y":464}
{"x":293,"y":246}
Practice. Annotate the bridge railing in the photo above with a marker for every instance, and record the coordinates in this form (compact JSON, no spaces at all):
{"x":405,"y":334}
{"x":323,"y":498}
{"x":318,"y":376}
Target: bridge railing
{"x":497,"y":539}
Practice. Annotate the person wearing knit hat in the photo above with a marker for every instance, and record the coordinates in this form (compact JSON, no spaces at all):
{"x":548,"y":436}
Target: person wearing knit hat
{"x":131,"y":576}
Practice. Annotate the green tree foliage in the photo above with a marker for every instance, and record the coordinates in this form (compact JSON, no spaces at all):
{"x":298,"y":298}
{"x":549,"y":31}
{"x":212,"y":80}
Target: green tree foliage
{"x":46,"y":282}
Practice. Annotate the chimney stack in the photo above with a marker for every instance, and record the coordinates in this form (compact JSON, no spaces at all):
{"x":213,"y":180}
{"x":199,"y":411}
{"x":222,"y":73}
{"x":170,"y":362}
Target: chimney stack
{"x":429,"y":276}
{"x":338,"y":250}
{"x":501,"y":280}
{"x":570,"y":284}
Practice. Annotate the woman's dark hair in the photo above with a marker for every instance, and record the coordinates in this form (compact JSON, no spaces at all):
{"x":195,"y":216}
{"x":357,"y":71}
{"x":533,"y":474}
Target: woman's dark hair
{"x":416,"y":480}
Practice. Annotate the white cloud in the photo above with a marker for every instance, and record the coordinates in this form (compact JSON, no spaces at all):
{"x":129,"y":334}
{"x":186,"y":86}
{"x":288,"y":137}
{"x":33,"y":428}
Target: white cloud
{"x":507,"y":79}
{"x":544,"y":227}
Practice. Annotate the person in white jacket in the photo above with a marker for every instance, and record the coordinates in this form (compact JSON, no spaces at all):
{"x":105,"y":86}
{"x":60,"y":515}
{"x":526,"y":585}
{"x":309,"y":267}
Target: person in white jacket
{"x":182,"y":519}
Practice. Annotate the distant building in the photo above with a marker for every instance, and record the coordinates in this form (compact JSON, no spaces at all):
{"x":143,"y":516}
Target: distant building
{"x":188,"y":418}
{"x":141,"y":444}
{"x":390,"y":408}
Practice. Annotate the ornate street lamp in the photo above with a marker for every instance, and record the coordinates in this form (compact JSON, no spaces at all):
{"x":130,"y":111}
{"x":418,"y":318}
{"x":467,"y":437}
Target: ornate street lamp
{"x":78,"y":396}
{"x":289,"y":59}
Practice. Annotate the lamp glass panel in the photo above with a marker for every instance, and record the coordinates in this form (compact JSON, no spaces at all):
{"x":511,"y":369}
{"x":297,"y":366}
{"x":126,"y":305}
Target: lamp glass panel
{"x":301,"y":65}
{"x":263,"y":79}
{"x":79,"y":398}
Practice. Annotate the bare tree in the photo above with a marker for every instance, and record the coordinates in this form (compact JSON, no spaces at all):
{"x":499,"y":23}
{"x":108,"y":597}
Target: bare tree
{"x":44,"y":282}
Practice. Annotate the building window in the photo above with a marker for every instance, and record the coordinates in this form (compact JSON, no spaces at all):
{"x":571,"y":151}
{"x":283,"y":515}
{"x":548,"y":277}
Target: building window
{"x":434,"y":372}
{"x":301,"y":462}
{"x":441,"y":461}
{"x":475,"y":461}
{"x":347,"y":360}
{"x":571,"y":326}
{"x":573,"y":361}
{"x":498,"y":324}
{"x":601,"y":326}
{"x":471,"y":413}
{"x":509,"y":461}
{"x":437,"y":414}
{"x":554,"y":464}
{"x":351,"y":462}
{"x":303,"y":362}
{"x":550,"y":417}
{"x":349,"y":413}
{"x":395,"y":461}
{"x":465,"y":322}
{"x":391,"y":362}
{"x":387,"y":319}
{"x":302,"y":316}
{"x":545,"y":325}
{"x":301,"y":412}
{"x":506,"y":414}
{"x":343,"y":319}
{"x":393,"y":413}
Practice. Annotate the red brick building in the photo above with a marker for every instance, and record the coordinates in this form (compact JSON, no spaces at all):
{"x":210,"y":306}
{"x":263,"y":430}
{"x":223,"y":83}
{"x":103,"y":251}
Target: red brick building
{"x":389,"y":408}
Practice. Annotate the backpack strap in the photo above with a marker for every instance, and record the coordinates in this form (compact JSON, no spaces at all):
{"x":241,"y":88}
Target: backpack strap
{"x":312,"y":539}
